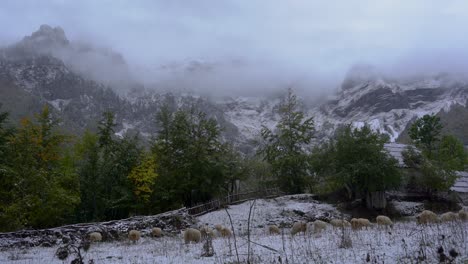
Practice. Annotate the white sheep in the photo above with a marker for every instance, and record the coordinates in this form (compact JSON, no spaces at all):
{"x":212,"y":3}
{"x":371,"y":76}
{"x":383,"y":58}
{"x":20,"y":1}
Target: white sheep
{"x":95,"y":237}
{"x":219,"y":227}
{"x":273,"y":230}
{"x":192,"y":235}
{"x":463,"y":215}
{"x":226,"y":232}
{"x":318,"y":226}
{"x":427,"y":217}
{"x":298,"y":227}
{"x":383,"y":220}
{"x":156,"y":232}
{"x":134,"y":235}
{"x":339,"y":223}
{"x":206,"y":231}
{"x":359,"y":223}
{"x":448,"y":217}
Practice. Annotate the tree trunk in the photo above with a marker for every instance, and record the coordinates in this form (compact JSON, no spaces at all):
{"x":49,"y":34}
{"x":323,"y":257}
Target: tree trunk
{"x":376,"y":200}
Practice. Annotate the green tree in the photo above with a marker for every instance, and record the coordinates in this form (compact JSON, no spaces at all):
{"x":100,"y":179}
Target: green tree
{"x":189,"y":157}
{"x":286,"y":148}
{"x":104,"y":163}
{"x":425,"y":174}
{"x":451,"y":153}
{"x":425,"y":133}
{"x":46,"y":189}
{"x":357,"y":162}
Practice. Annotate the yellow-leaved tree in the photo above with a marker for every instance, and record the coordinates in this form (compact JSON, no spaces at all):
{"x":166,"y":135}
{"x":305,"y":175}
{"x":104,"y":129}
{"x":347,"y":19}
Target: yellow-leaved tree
{"x":143,"y":178}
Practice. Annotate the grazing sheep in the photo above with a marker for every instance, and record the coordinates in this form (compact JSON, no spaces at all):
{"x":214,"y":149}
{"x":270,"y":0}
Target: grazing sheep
{"x":156,"y":232}
{"x":339,"y":223}
{"x":95,"y":237}
{"x":273,"y":230}
{"x":298,"y":227}
{"x":134,"y":235}
{"x":448,"y":217}
{"x":426,"y":217}
{"x":225,"y":232}
{"x":192,"y":235}
{"x":206,"y":231}
{"x":319,"y":226}
{"x":463,"y":215}
{"x":383,"y":220}
{"x":219,"y":227}
{"x":359,"y":223}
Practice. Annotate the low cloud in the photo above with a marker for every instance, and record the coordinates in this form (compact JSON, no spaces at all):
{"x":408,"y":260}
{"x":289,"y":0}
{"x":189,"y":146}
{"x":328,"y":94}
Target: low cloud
{"x":252,"y":47}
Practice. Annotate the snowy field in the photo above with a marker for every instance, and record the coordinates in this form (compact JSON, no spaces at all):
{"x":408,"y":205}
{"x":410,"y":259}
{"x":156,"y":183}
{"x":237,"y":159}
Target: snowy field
{"x":407,"y":242}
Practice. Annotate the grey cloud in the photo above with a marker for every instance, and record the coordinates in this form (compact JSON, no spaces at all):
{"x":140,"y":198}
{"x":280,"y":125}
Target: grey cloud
{"x":306,"y":43}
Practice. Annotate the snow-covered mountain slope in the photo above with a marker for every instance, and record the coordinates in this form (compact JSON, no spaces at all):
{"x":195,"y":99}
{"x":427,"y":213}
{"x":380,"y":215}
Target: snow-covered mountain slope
{"x":32,"y":74}
{"x":389,"y":105}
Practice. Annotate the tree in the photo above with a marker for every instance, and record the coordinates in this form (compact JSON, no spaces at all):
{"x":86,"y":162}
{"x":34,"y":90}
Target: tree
{"x":357,"y":162}
{"x":286,"y":148}
{"x":45,"y":190}
{"x":104,"y":163}
{"x":451,"y":153}
{"x":189,"y":157}
{"x":425,"y":133}
{"x":143,"y":178}
{"x":436,"y":164}
{"x":425,"y":174}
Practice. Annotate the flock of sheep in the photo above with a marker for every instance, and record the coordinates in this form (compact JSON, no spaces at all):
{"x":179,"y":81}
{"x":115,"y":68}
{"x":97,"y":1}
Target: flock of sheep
{"x":195,"y":235}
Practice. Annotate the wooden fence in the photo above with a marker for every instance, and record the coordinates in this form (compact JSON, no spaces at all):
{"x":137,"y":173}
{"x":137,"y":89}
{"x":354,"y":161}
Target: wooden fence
{"x":233,"y":199}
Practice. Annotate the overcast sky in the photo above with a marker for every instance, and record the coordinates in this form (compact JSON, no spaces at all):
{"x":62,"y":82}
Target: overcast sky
{"x":316,"y":37}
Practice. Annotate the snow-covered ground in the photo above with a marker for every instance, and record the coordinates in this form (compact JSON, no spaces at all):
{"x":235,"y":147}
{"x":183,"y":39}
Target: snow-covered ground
{"x":407,"y":242}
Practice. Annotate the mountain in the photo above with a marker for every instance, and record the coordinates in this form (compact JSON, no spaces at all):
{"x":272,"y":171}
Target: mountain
{"x":389,"y":104}
{"x":47,"y":68}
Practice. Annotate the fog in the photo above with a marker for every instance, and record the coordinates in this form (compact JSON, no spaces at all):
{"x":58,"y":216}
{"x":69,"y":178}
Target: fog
{"x":256,"y":46}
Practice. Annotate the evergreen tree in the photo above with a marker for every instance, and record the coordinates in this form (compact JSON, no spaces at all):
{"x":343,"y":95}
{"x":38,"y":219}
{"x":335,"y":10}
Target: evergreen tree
{"x":104,"y":163}
{"x":189,"y":153}
{"x":286,"y":148}
{"x":357,"y":162}
{"x":45,"y":186}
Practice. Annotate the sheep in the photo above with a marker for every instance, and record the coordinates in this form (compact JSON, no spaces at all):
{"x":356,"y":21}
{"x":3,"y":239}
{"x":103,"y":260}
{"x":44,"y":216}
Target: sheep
{"x":219,"y":227}
{"x":318,"y":226}
{"x":134,"y":235}
{"x":156,"y":232}
{"x":463,"y":215}
{"x":192,"y":235}
{"x":206,"y":231}
{"x":448,"y":217}
{"x":383,"y":220}
{"x":298,"y":227}
{"x":426,"y":217}
{"x":359,"y":223}
{"x":339,"y":223}
{"x":225,"y":232}
{"x":273,"y":230}
{"x":95,"y":237}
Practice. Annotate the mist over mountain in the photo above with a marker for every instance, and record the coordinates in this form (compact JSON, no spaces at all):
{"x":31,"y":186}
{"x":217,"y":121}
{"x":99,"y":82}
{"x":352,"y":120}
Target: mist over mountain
{"x":81,"y":81}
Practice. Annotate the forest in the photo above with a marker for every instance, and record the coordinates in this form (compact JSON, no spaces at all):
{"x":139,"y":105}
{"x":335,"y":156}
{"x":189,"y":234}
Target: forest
{"x":49,"y":178}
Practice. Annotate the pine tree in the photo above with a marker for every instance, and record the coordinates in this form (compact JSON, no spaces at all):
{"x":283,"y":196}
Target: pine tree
{"x":287,"y":148}
{"x":189,"y":154}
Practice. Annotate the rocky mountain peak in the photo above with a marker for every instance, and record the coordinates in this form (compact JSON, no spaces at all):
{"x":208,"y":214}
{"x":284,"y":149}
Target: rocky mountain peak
{"x":46,"y":36}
